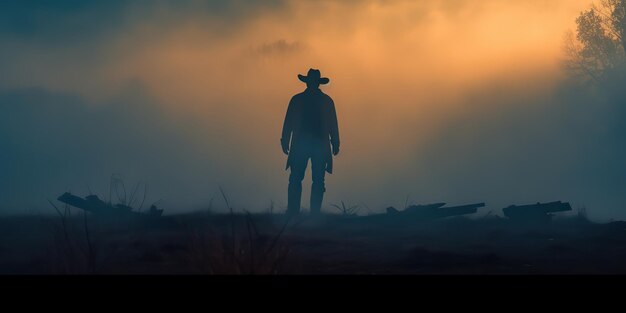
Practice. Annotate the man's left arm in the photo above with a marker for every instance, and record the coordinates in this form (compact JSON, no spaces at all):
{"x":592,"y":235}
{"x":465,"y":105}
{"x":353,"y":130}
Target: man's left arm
{"x":334,"y":128}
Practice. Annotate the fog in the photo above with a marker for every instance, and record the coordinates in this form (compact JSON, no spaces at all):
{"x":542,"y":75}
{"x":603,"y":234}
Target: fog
{"x":451,"y":100}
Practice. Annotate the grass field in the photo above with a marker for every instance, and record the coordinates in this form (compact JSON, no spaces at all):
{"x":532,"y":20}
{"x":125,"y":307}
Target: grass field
{"x":205,"y":244}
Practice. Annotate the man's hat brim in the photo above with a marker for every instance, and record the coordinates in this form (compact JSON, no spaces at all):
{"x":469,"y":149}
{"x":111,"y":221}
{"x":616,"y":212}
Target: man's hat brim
{"x":321,"y":81}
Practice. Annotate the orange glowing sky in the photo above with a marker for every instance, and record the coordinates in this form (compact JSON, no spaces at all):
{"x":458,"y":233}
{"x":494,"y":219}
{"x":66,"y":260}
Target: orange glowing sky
{"x":401,"y":48}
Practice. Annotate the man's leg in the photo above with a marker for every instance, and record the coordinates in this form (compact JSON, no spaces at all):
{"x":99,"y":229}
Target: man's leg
{"x":318,"y":169}
{"x":298,"y":168}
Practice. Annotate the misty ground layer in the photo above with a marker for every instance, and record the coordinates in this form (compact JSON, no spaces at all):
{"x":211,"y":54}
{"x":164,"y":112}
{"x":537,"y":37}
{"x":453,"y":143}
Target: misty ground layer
{"x":204,"y":243}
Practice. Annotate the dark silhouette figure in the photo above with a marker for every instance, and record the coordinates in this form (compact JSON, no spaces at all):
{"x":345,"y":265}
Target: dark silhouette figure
{"x":309,"y":130}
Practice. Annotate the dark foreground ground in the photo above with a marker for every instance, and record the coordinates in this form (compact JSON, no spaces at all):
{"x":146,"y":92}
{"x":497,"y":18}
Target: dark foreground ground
{"x":269,"y":244}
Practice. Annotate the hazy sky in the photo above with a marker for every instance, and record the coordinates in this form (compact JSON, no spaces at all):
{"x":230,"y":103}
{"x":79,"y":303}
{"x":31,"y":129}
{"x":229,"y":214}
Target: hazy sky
{"x":443,"y":100}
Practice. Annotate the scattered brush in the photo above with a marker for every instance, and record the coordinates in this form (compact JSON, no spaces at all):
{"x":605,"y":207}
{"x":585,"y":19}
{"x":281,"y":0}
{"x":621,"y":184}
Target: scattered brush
{"x":77,"y":246}
{"x":73,"y":256}
{"x":118,"y":186}
{"x":406,"y":201}
{"x":345,"y":210}
{"x":248,"y":252}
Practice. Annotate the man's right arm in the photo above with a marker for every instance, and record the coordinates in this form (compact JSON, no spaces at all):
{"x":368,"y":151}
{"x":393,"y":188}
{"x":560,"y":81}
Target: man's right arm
{"x":287,"y":128}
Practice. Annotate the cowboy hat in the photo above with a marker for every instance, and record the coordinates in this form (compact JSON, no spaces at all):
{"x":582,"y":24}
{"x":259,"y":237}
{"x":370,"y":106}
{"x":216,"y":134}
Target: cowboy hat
{"x":314,"y":76}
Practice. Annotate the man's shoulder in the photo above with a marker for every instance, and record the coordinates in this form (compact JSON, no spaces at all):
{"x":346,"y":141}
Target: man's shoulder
{"x":298,"y":96}
{"x":325,"y":96}
{"x":328,"y":98}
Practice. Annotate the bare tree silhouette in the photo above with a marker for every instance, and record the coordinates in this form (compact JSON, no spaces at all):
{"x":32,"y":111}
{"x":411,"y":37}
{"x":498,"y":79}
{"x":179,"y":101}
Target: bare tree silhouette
{"x":599,"y":45}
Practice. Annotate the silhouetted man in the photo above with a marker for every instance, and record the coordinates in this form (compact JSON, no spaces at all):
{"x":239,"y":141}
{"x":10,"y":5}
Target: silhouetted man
{"x":309,"y":130}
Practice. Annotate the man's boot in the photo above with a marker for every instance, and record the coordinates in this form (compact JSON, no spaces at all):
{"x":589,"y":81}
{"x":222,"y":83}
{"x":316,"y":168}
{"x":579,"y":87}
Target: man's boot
{"x":317,"y":196}
{"x":294,"y":198}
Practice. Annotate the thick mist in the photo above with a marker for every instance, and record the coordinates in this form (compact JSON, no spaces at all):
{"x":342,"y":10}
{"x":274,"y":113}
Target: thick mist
{"x":454,"y":101}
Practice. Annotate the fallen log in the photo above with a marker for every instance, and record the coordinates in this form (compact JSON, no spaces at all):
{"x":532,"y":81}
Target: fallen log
{"x":94,"y":205}
{"x":538,"y":211}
